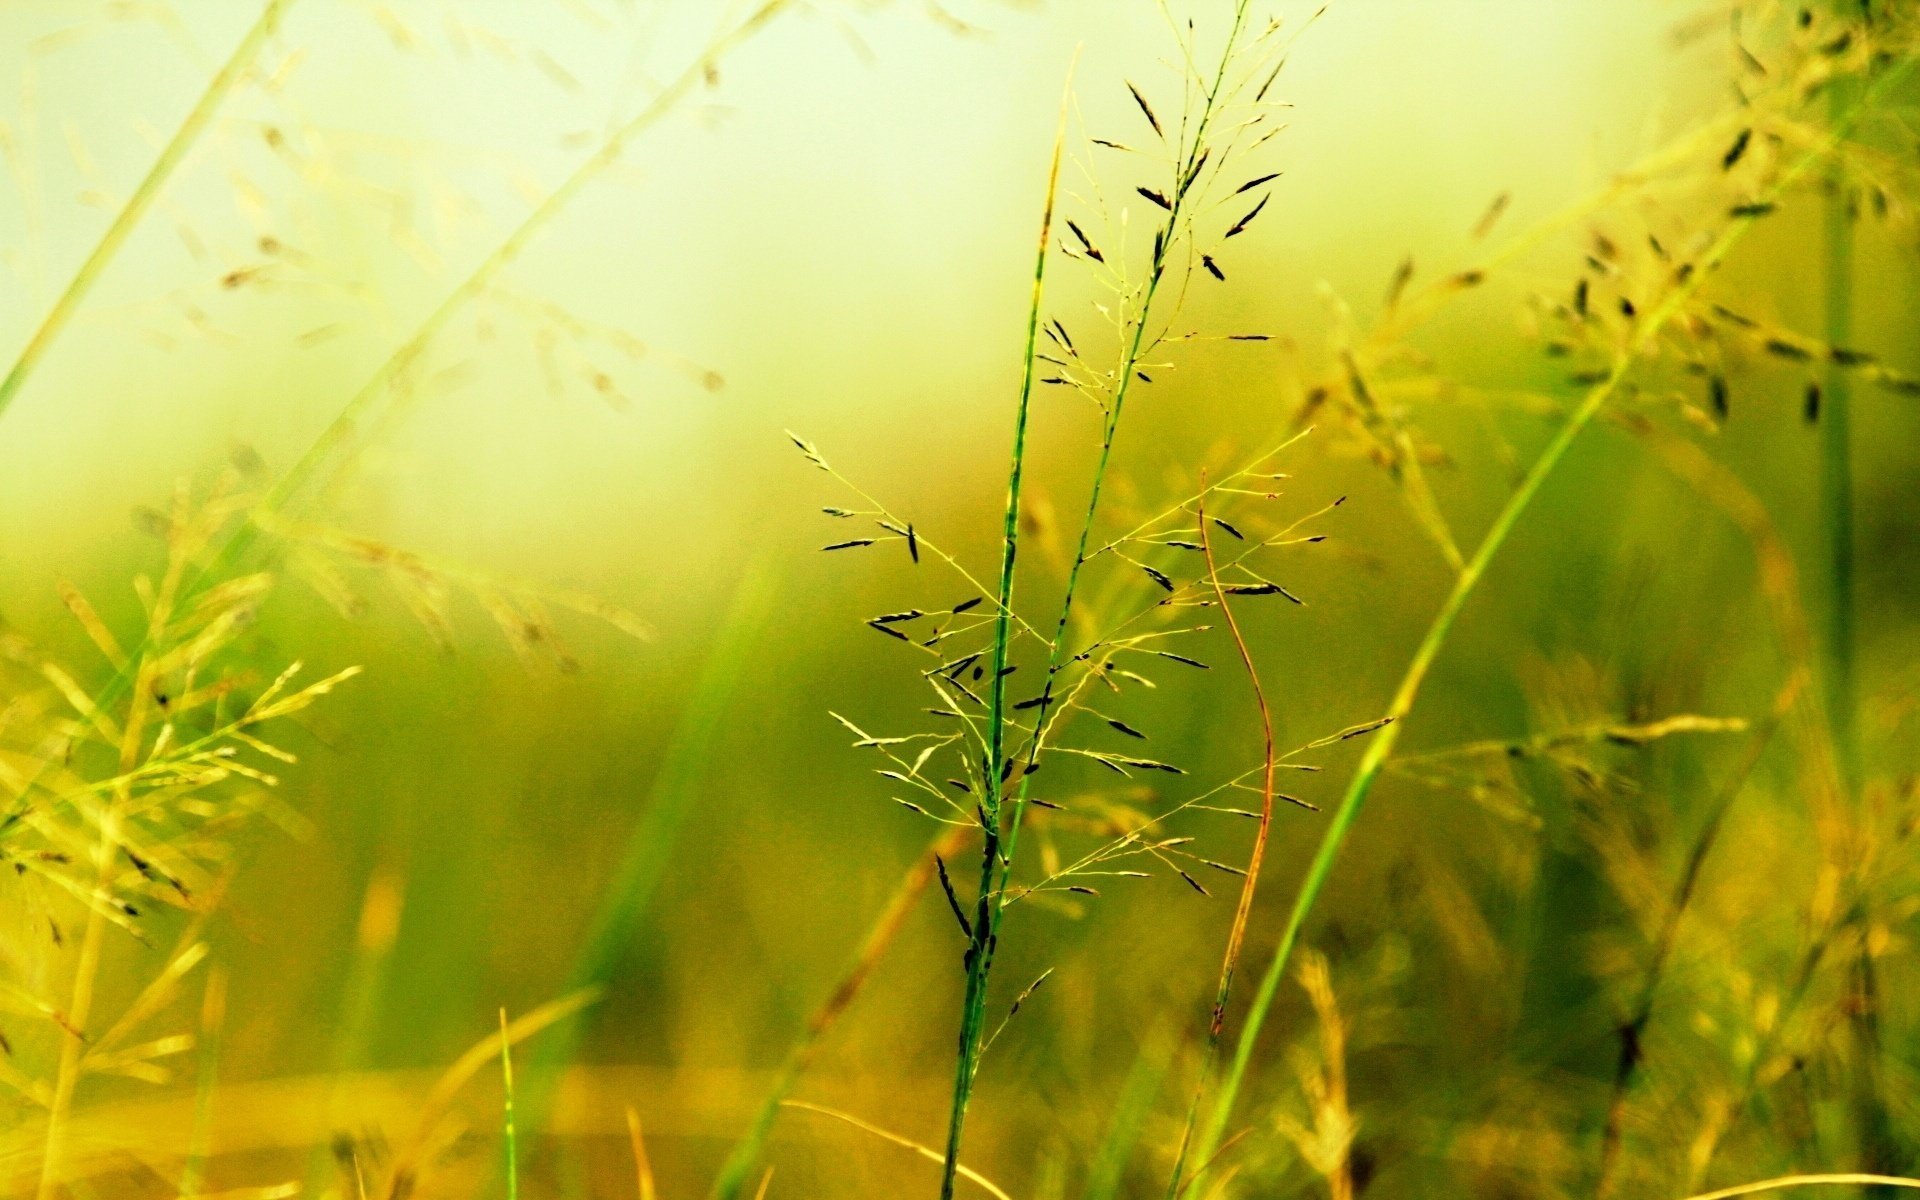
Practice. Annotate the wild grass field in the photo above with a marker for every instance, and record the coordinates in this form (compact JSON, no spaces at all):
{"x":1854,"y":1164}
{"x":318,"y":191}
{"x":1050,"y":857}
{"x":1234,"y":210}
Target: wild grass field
{"x":1042,"y":599}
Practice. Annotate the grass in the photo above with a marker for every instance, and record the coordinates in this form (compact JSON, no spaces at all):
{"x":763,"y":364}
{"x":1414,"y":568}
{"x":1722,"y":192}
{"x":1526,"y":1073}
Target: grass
{"x":141,"y":199}
{"x":1378,"y":751}
{"x":1646,"y":938}
{"x":509,"y":1135}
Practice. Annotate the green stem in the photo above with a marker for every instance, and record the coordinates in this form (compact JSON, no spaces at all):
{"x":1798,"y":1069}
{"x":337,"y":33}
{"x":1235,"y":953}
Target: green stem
{"x":1877,"y":1144}
{"x":980,"y":944}
{"x":1836,"y":465}
{"x":996,"y":860}
{"x":1381,"y":747}
{"x":141,"y":200}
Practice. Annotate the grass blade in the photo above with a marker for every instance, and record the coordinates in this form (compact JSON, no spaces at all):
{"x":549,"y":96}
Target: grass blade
{"x":144,"y":194}
{"x":733,"y":1176}
{"x":628,"y":900}
{"x":509,"y":1137}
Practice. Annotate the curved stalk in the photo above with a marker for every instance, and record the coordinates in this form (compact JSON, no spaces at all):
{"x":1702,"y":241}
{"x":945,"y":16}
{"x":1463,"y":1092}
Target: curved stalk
{"x":1250,"y":882}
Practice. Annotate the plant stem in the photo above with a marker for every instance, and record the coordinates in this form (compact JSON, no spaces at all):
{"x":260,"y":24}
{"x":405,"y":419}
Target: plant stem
{"x":1250,"y":882}
{"x":1836,"y":461}
{"x":510,"y":1135}
{"x":144,"y":194}
{"x":86,"y":971}
{"x":735,"y":1172}
{"x":1368,"y":771}
{"x":996,"y":863}
{"x":980,"y":944}
{"x":1877,"y":1143}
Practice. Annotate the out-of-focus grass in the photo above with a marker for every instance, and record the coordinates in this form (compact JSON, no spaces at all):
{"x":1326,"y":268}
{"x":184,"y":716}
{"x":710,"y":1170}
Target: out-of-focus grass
{"x":830,"y":231}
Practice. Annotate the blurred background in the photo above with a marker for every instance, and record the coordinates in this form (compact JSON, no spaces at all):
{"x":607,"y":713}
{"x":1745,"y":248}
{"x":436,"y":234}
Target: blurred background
{"x":831,"y":233}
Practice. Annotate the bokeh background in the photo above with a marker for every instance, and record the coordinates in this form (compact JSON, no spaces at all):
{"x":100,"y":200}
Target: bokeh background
{"x":833,"y":235}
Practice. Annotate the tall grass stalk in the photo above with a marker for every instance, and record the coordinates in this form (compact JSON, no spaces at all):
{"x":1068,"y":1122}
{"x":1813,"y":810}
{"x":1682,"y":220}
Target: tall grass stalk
{"x":144,"y":671}
{"x":737,"y":1171}
{"x":1354,"y":798}
{"x":1800,"y":1181}
{"x":144,"y":194}
{"x":628,"y":900}
{"x":1878,"y":1151}
{"x":996,"y":862}
{"x":1836,"y":457}
{"x":510,"y":1134}
{"x":979,"y":955}
{"x":1249,"y":882}
{"x":213,"y":1016}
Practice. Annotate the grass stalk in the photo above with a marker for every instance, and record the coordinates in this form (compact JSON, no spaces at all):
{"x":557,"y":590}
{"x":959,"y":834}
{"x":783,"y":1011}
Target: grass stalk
{"x":1250,"y":882}
{"x":1468,"y":580}
{"x":996,"y":862}
{"x":642,"y":1165}
{"x":86,"y":971}
{"x":213,"y":1016}
{"x":144,"y":194}
{"x":737,"y":1171}
{"x":1836,"y":459}
{"x":979,"y":954}
{"x":509,"y":1135}
{"x":1877,"y":1142}
{"x":628,"y":900}
{"x":1800,"y":1181}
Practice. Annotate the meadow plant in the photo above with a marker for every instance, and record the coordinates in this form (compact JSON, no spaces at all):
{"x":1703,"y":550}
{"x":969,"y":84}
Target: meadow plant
{"x":1684,"y":929}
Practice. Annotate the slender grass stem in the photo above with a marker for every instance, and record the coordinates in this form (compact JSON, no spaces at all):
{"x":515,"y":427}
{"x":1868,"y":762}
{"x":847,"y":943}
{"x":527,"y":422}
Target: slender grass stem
{"x":1800,"y":1181}
{"x":1378,"y":751}
{"x":1836,"y":463}
{"x":510,"y":1134}
{"x":86,"y":971}
{"x":627,"y":902}
{"x":213,"y":1014}
{"x":1250,"y":882}
{"x":737,"y":1171}
{"x":996,"y":862}
{"x":1877,"y":1143}
{"x":979,"y":956}
{"x":144,"y":194}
